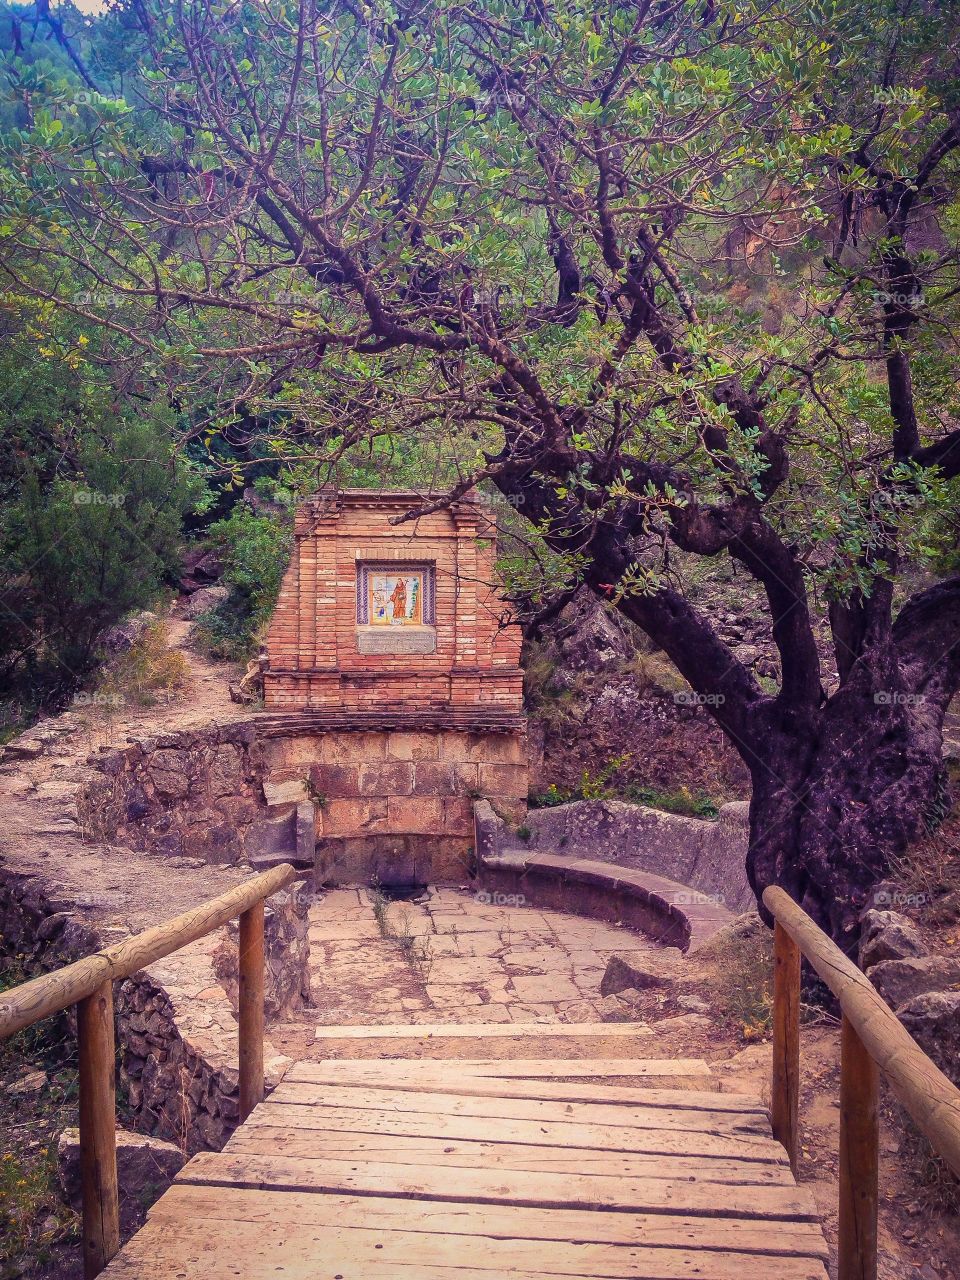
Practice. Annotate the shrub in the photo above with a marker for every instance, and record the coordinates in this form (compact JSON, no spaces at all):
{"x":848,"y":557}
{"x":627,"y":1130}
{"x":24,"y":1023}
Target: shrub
{"x":254,"y":548}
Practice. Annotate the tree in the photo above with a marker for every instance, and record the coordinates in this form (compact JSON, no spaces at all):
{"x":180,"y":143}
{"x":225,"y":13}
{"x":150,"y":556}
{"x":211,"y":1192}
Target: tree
{"x":91,"y":508}
{"x":677,"y":278}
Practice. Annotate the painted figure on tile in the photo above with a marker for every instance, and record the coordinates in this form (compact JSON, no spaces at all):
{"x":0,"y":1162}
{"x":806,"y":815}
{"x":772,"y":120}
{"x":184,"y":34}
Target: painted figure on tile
{"x":395,"y":599}
{"x":399,"y":601}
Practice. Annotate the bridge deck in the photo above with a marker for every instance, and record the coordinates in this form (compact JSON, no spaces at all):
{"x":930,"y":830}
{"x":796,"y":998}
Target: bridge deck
{"x":395,"y":1169}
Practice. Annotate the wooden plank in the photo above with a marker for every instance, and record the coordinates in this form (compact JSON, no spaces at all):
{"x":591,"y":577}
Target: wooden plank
{"x":356,"y":1252}
{"x":543,"y":1190}
{"x":388,"y":1148}
{"x":450,"y":1103}
{"x":487,"y":1031}
{"x":524,"y":1068}
{"x":660,"y":1230}
{"x":261,"y":1252}
{"x":535,"y":1132}
{"x":421,"y":1078}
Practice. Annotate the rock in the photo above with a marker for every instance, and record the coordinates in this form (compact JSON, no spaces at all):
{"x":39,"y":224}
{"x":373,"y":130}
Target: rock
{"x":888,"y":935}
{"x":145,"y":1168}
{"x":933,"y":1019}
{"x":693,"y":1004}
{"x":52,"y":925}
{"x":625,"y":972}
{"x":588,"y":636}
{"x":29,"y":1082}
{"x":204,"y":601}
{"x":26,"y":747}
{"x":901,"y":980}
{"x":748,"y":654}
{"x":684,"y":1022}
{"x":287,"y":791}
{"x":612,"y":1010}
{"x":746,"y":930}
{"x":170,"y":773}
{"x":200,"y":568}
{"x":123,"y":636}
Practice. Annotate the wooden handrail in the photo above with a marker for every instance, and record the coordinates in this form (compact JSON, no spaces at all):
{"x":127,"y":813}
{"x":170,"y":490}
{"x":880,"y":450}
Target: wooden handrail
{"x":872,"y":1038}
{"x":53,"y":992}
{"x":88,"y":983}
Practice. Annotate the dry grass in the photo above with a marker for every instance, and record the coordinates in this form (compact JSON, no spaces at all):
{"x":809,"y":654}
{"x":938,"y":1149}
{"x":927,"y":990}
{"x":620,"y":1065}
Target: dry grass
{"x":149,"y":672}
{"x":741,"y":956}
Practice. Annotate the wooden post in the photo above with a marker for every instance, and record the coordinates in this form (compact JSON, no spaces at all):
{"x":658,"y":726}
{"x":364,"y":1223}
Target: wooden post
{"x":785,"y":1088}
{"x":859,"y":1159}
{"x":98,"y":1135}
{"x":251,"y":1009}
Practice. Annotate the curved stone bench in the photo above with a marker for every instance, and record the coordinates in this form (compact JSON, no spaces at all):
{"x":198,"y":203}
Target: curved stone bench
{"x":671,"y":913}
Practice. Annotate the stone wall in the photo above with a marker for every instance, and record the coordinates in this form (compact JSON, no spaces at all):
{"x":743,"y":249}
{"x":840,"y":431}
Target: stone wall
{"x":391,"y":804}
{"x":706,"y":855}
{"x":175,"y":1020}
{"x":194,"y":794}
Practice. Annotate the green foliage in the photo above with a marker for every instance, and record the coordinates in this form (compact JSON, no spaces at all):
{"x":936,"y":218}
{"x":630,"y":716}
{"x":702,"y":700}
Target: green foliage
{"x":89,"y":526}
{"x":255,"y":549}
{"x":681,"y":801}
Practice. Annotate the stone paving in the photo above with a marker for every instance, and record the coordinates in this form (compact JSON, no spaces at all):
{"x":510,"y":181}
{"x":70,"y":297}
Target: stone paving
{"x":456,"y":956}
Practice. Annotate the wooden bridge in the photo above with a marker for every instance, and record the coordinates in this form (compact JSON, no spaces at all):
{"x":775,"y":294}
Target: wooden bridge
{"x":412,"y":1168}
{"x":401,"y":1167}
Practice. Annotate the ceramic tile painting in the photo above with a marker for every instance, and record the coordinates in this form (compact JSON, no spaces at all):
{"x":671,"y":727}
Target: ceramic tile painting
{"x":396,"y":600}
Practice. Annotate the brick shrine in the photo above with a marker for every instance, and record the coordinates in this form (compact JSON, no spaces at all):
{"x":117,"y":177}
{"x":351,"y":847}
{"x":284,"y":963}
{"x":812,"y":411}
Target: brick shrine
{"x":393,"y":685}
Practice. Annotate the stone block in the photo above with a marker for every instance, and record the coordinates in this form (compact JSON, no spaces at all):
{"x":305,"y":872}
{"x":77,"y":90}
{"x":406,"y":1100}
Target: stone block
{"x":335,"y":780}
{"x":458,"y":816}
{"x":415,"y":815}
{"x":352,"y":748}
{"x":493,"y":748}
{"x":433,"y":778}
{"x":509,"y":780}
{"x":284,"y":791}
{"x":270,"y":835}
{"x":413,"y":746}
{"x":305,"y":833}
{"x":389,"y":778}
{"x":386,"y":860}
{"x":355,"y":816}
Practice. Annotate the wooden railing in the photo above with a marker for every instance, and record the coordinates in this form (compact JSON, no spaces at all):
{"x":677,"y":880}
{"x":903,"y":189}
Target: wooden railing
{"x":88,"y":984}
{"x":872,"y":1040}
